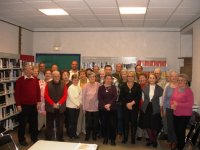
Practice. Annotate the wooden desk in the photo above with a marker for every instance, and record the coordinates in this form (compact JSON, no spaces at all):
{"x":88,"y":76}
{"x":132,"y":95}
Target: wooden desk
{"x":52,"y":145}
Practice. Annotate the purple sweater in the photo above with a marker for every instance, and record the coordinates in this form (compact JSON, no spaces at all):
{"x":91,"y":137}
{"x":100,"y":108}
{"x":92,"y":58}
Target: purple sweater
{"x":107,"y":95}
{"x":184,"y":100}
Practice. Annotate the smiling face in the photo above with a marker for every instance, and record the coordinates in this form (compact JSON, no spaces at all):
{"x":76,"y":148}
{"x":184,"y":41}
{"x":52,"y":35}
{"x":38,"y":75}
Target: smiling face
{"x":65,"y":76}
{"x":152,"y":79}
{"x":182,"y":82}
{"x":48,"y":75}
{"x":108,"y":80}
{"x":130,"y":77}
{"x":56,"y":76}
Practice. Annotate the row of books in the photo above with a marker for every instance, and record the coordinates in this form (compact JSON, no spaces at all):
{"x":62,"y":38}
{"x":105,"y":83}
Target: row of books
{"x":10,"y":123}
{"x":8,"y":111}
{"x":6,"y":100}
{"x":10,"y":63}
{"x":6,"y":87}
{"x":10,"y":74}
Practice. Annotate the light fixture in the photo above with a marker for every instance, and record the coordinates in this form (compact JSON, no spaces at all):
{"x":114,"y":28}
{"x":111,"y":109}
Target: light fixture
{"x":53,"y":12}
{"x":132,"y":10}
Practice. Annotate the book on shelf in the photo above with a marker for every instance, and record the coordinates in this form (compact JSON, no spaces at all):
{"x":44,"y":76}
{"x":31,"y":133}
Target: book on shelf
{"x":2,"y":100}
{"x":10,"y":99}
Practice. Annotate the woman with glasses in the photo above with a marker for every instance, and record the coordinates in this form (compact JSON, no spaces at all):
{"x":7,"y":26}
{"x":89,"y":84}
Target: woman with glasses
{"x":130,"y":94}
{"x":181,"y":102}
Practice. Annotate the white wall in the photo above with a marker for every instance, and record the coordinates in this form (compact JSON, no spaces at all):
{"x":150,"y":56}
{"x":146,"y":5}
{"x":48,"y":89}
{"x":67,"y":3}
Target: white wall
{"x":195,"y":61}
{"x":186,"y":45}
{"x":27,"y":42}
{"x":139,"y":44}
{"x":8,"y":38}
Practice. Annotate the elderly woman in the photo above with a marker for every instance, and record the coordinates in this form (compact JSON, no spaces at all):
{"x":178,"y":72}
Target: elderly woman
{"x":107,"y":95}
{"x":83,"y":80}
{"x":41,"y":110}
{"x":90,"y":106}
{"x":181,"y":102}
{"x":73,"y":106}
{"x":131,"y":95}
{"x":168,"y":112}
{"x":152,"y":96}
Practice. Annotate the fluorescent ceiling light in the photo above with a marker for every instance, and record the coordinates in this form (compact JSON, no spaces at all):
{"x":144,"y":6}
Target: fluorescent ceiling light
{"x":52,"y":12}
{"x":132,"y":10}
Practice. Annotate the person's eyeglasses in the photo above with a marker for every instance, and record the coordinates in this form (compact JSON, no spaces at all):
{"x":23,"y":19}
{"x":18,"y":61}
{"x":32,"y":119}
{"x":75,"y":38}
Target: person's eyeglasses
{"x":181,"y":80}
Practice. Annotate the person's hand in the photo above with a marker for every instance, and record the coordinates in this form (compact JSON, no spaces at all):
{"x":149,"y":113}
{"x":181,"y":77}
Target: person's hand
{"x":174,"y":105}
{"x":38,"y":105}
{"x":78,"y":107}
{"x":107,"y":107}
{"x":19,"y":108}
{"x":55,"y":106}
{"x":130,"y":105}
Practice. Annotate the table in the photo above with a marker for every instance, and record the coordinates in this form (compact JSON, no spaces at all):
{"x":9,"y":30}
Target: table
{"x":52,"y":145}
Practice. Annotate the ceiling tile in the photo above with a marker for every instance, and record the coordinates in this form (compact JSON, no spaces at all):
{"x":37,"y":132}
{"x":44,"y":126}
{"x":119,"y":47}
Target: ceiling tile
{"x":181,"y":17}
{"x":164,"y":3}
{"x":110,"y":10}
{"x":107,"y":16}
{"x":109,"y":21}
{"x":132,"y":3}
{"x":191,"y":11}
{"x":72,"y":4}
{"x":85,"y":17}
{"x":84,"y":11}
{"x":42,"y":5}
{"x":160,"y":11}
{"x":132,"y":17}
{"x":101,"y":3}
{"x":190,"y":4}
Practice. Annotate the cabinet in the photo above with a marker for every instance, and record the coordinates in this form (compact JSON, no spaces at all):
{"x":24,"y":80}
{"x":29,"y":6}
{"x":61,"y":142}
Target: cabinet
{"x":10,"y":70}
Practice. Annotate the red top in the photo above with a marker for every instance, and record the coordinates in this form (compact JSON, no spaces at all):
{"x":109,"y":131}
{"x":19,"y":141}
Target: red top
{"x":27,"y":91}
{"x":61,"y":100}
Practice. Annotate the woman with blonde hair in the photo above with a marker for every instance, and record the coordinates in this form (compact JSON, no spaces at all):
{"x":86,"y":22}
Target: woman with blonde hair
{"x":130,"y":94}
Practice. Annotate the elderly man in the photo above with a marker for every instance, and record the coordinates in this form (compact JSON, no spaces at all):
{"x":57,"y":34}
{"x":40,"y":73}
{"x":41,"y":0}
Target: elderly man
{"x":27,"y":97}
{"x":55,"y":105}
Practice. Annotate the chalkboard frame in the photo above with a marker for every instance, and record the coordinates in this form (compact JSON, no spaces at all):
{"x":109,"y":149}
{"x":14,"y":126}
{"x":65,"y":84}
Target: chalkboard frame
{"x":48,"y":65}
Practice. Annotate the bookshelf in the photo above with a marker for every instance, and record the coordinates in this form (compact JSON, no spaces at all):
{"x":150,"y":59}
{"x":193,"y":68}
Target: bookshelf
{"x":10,"y":70}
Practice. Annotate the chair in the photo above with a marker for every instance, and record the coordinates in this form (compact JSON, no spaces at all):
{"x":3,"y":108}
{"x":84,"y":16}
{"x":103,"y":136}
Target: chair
{"x":6,"y":142}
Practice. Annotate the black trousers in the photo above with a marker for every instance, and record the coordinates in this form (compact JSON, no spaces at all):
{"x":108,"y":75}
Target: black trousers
{"x":129,"y":116}
{"x":59,"y":122}
{"x":180,"y":124}
{"x":108,"y":123}
{"x":91,"y":119}
{"x":73,"y":114}
{"x":29,"y":115}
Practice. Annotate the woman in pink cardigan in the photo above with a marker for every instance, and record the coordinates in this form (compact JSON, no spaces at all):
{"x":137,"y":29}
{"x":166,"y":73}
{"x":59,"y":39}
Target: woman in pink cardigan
{"x":181,"y":102}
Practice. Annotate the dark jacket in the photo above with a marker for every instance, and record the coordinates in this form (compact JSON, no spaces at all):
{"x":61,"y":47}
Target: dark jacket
{"x":155,"y":100}
{"x":55,"y":93}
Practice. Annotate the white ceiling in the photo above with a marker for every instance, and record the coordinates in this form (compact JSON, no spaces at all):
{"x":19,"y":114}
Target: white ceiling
{"x":100,"y":13}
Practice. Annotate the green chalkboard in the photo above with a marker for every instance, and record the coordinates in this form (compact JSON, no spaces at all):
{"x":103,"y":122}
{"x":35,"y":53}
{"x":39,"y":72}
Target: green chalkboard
{"x":62,"y":60}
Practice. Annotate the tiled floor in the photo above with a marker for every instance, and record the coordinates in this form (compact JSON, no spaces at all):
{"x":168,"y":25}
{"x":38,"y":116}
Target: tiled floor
{"x":140,"y":145}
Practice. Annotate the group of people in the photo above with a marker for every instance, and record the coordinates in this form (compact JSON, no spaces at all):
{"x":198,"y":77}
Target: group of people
{"x":98,"y":103}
